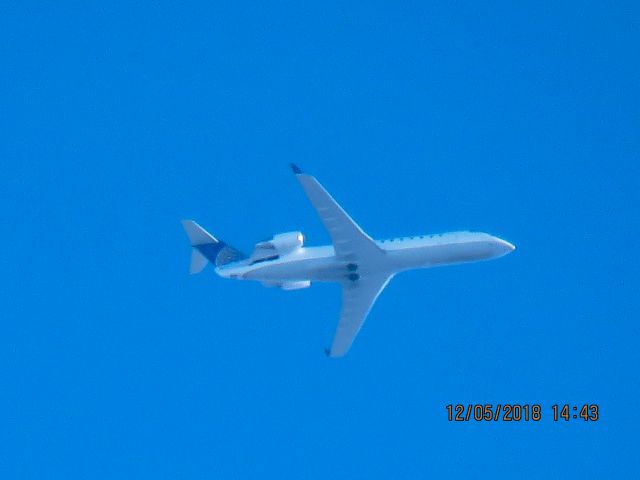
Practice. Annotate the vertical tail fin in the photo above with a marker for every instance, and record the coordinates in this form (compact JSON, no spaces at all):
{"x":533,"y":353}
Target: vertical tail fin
{"x":197,"y":236}
{"x":207,"y":248}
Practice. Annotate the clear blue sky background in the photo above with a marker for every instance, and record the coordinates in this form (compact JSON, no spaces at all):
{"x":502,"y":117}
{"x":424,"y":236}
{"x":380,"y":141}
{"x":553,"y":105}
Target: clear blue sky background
{"x":118,"y":119}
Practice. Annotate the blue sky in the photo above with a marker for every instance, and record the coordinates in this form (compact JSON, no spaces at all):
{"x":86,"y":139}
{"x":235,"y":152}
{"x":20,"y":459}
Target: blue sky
{"x":118,"y":120}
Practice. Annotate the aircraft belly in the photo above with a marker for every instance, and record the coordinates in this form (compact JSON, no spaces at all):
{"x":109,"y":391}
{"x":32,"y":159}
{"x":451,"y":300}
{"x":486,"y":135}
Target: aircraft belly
{"x":316,"y":270}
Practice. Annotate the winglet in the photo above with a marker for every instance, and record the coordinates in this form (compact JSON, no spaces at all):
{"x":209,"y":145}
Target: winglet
{"x":296,"y":169}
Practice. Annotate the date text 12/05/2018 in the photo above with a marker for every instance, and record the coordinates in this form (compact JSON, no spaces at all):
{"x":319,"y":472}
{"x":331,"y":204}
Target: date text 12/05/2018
{"x":513,"y":412}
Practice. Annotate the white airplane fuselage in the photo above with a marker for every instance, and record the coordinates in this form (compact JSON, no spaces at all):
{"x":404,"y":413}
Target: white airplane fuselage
{"x":361,"y":265}
{"x":320,"y":264}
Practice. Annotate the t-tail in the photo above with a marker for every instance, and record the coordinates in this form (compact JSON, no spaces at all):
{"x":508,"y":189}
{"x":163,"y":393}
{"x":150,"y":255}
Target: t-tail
{"x":207,"y":248}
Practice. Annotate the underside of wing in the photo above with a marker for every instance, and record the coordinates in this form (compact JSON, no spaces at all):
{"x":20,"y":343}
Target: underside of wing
{"x":357,"y":299}
{"x":349,"y":240}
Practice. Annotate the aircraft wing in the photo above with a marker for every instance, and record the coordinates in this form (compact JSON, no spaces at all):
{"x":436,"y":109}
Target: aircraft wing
{"x":357,"y":299}
{"x":348,"y":239}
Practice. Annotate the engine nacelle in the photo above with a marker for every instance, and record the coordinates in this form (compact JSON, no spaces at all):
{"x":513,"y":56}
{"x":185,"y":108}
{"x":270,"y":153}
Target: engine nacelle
{"x":295,"y":285}
{"x":283,"y":243}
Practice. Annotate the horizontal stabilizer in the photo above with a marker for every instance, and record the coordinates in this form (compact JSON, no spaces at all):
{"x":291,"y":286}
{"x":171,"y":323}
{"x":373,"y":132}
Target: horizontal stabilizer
{"x":198,"y":261}
{"x":197,"y":235}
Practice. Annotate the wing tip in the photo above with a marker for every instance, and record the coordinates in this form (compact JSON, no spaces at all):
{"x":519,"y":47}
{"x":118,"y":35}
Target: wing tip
{"x":330,"y":353}
{"x":296,"y":169}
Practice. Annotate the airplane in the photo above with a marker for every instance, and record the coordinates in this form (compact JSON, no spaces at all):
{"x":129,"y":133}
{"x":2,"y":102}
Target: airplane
{"x":362,"y":266}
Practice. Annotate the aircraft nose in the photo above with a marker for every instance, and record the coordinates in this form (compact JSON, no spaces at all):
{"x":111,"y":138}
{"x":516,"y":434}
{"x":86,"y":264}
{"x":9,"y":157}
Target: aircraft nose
{"x":506,"y":246}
